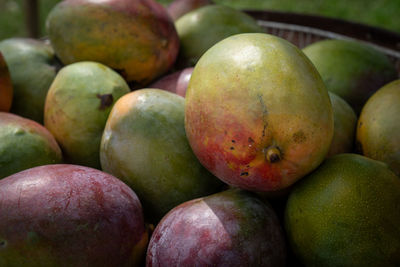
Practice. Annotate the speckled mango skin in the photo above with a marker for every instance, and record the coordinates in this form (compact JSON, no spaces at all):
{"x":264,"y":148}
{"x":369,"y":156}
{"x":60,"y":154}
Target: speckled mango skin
{"x":144,"y":144}
{"x":24,"y":144}
{"x":251,"y":93}
{"x":77,"y":107}
{"x":350,"y":69}
{"x":6,"y":89}
{"x":230,"y":228}
{"x":69,"y":215}
{"x":33,"y":67}
{"x":378,"y":126}
{"x":136,"y":38}
{"x":346,"y":213}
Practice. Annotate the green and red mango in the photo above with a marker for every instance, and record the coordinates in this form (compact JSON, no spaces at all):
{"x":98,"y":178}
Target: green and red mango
{"x":145,"y":145}
{"x":136,"y":38}
{"x":257,"y":113}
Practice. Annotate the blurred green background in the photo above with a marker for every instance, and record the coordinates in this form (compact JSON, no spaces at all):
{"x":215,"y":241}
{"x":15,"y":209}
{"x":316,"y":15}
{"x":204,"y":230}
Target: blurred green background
{"x":381,"y":13}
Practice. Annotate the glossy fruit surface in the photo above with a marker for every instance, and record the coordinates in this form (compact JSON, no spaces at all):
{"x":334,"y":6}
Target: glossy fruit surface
{"x":69,"y":215}
{"x":257,"y":113}
{"x":230,"y":228}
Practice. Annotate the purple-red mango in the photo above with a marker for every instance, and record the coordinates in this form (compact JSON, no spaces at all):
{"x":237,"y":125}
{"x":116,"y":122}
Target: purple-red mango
{"x":69,"y":215}
{"x":176,"y":82}
{"x":178,"y":8}
{"x":230,"y":228}
{"x":6,"y":88}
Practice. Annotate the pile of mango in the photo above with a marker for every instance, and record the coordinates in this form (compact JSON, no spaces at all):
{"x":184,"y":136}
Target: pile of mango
{"x":138,"y":134}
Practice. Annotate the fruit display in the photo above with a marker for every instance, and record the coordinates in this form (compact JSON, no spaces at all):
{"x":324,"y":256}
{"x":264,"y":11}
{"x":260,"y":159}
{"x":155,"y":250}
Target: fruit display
{"x":191,"y":134}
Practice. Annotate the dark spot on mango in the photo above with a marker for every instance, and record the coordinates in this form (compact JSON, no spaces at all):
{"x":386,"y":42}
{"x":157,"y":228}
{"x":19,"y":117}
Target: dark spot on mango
{"x":232,"y":148}
{"x":299,"y":137}
{"x":233,"y":141}
{"x":106,"y":100}
{"x":251,"y":141}
{"x":3,"y":243}
{"x":244,"y":174}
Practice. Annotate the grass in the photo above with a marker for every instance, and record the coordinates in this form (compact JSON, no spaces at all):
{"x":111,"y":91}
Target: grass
{"x":380,"y":13}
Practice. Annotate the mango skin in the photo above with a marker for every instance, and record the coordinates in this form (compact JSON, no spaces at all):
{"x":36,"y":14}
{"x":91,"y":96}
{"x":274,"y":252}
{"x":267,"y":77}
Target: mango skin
{"x":77,"y":107}
{"x":136,"y":38}
{"x":144,"y":144}
{"x":378,"y":126}
{"x":230,"y":228}
{"x":6,"y":88}
{"x":24,"y":144}
{"x":250,"y":94}
{"x":176,"y":82}
{"x":178,"y":8}
{"x":33,"y":67}
{"x":345,"y":121}
{"x":68,"y":215}
{"x":346,"y":213}
{"x":352,"y":70}
{"x":201,"y":28}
